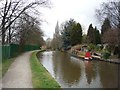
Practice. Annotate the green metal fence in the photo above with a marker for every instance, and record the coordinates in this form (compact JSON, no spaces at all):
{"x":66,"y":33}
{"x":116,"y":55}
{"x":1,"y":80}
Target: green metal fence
{"x":14,"y":50}
{"x":9,"y":51}
{"x":0,"y":53}
{"x":5,"y":51}
{"x":31,"y":47}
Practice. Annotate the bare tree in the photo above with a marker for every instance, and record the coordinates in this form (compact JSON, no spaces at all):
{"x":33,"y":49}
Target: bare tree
{"x":111,"y":38}
{"x":110,"y":10}
{"x":11,"y":10}
{"x":29,"y":31}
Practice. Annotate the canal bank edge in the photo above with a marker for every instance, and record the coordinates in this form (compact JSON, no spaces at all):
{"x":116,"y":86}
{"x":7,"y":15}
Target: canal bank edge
{"x":41,"y":78}
{"x":98,"y":59}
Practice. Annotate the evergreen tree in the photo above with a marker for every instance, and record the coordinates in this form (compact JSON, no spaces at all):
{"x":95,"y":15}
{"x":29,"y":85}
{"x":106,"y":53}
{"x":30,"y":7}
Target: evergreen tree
{"x":97,"y":36}
{"x":71,"y":34}
{"x":91,"y":35}
{"x":76,"y":34}
{"x":66,"y":37}
{"x":106,"y":25}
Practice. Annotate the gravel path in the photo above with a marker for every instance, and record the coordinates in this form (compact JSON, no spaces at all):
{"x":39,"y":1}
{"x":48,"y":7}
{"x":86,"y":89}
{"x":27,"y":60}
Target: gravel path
{"x":19,"y":73}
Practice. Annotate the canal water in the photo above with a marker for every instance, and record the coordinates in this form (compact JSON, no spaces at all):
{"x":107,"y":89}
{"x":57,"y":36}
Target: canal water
{"x":71,"y":72}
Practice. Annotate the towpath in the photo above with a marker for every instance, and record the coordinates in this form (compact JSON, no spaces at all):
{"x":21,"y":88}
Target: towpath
{"x":19,"y":74}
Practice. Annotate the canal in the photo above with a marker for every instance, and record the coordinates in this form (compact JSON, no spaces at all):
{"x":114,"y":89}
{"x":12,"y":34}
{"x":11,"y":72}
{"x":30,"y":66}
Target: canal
{"x":71,"y":72}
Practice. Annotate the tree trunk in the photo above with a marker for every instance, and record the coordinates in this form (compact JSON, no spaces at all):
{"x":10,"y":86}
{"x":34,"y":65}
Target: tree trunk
{"x":119,"y":42}
{"x":9,"y":38}
{"x":3,"y":36}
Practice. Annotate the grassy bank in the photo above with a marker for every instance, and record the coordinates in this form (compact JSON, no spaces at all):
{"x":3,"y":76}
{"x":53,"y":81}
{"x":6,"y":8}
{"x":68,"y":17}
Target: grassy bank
{"x":6,"y":64}
{"x":40,"y":76}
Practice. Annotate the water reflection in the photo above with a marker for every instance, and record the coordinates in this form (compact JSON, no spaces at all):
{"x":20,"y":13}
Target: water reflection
{"x":69,"y":72}
{"x":108,"y":74}
{"x":72,"y":72}
{"x":90,"y":73}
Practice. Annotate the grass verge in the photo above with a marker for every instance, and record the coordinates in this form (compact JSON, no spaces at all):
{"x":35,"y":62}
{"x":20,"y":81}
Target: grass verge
{"x":41,"y":78}
{"x":6,"y":64}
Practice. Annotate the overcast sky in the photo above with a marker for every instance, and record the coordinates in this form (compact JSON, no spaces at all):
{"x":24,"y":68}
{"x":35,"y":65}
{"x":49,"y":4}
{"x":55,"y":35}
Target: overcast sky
{"x":82,"y":11}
